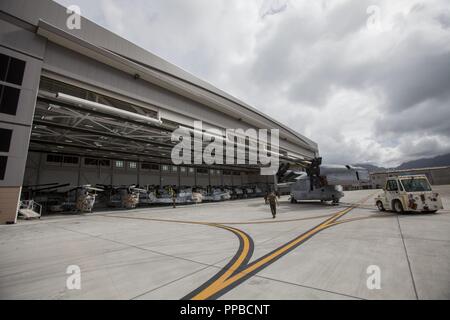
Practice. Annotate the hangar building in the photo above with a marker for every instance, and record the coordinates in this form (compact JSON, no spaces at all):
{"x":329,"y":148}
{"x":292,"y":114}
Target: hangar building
{"x":436,"y":175}
{"x":66,"y":98}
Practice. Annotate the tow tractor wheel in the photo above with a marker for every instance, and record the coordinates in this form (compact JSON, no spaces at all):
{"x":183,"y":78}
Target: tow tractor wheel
{"x":398,"y":207}
{"x":380,"y":206}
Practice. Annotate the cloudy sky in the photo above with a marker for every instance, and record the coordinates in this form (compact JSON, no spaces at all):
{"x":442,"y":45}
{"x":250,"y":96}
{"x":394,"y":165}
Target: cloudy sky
{"x":369,"y":81}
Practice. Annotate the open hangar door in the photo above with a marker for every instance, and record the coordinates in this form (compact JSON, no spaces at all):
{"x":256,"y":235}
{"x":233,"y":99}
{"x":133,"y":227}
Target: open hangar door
{"x":72,"y":144}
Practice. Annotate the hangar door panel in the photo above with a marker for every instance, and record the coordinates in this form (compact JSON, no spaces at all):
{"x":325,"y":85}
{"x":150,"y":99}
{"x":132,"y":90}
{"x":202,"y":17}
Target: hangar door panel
{"x":237,"y":180}
{"x":187,"y":180}
{"x":202,"y":180}
{"x":264,"y":179}
{"x":169,"y":180}
{"x":227,"y":180}
{"x":216,"y":180}
{"x":148,"y":179}
{"x":58,"y":175}
{"x":124,"y":178}
{"x":94,"y":176}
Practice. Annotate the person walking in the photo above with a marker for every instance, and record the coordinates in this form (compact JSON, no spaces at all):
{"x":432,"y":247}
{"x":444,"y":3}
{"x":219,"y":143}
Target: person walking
{"x":273,"y":202}
{"x":174,"y":197}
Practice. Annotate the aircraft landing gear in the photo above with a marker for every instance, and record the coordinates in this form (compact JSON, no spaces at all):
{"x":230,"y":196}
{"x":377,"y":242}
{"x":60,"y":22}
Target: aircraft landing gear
{"x":334,"y":200}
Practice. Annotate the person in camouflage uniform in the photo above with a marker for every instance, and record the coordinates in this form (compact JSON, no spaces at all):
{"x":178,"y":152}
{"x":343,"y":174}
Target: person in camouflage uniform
{"x":273,"y":202}
{"x":173,"y":192}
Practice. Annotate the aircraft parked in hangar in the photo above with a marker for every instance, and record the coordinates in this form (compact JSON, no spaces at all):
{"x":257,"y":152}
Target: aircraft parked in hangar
{"x":78,"y":199}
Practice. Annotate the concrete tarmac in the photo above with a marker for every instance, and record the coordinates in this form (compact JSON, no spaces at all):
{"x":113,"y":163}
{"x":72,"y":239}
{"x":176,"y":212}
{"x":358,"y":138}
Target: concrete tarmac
{"x":232,"y":250}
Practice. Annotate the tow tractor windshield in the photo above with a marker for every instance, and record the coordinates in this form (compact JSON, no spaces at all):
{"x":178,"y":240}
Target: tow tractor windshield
{"x":415,"y":185}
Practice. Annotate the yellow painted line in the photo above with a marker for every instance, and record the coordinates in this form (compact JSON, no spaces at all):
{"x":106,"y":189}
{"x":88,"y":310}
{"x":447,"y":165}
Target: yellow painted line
{"x":218,"y":286}
{"x":327,"y":223}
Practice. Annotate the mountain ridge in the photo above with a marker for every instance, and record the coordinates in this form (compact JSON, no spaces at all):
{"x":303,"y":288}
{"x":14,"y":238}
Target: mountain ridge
{"x":438,"y":161}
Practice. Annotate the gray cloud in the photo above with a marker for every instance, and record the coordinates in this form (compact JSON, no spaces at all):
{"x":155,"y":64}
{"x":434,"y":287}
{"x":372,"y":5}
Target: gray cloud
{"x":365,"y":95}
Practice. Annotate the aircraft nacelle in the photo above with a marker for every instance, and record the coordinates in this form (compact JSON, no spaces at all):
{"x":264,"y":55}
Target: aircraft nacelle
{"x":344,"y":175}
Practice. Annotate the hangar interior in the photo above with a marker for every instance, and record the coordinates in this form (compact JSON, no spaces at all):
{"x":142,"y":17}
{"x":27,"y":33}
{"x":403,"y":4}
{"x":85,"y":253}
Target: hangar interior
{"x":73,"y":145}
{"x":87,"y":107}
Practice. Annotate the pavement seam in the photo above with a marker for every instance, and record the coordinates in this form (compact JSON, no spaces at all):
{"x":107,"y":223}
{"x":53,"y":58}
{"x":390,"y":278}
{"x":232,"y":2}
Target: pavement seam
{"x":407,"y":259}
{"x":427,"y":239}
{"x":181,"y":278}
{"x":205,"y":265}
{"x":309,"y":287}
{"x":140,"y":248}
{"x":256,"y":276}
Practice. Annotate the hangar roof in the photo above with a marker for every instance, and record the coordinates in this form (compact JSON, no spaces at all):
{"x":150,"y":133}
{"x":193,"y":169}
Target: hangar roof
{"x":49,"y":15}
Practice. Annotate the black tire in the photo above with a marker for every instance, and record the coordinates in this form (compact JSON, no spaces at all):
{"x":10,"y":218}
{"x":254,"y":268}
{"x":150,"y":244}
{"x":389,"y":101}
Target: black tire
{"x":397,"y":206}
{"x":380,"y":206}
{"x":293,"y":200}
{"x":432,"y":211}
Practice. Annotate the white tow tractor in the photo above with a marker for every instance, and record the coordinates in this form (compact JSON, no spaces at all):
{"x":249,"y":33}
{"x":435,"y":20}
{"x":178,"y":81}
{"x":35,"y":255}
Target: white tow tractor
{"x":408,"y":193}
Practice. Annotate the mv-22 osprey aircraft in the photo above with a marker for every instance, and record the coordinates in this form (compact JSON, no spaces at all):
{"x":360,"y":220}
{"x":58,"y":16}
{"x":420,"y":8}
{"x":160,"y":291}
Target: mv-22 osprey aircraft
{"x":319,"y":182}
